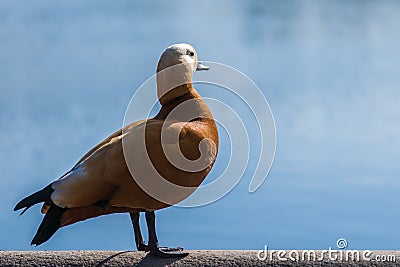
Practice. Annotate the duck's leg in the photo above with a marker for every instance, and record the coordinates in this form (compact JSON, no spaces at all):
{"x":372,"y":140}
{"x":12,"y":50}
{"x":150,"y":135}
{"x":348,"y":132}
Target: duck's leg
{"x":153,"y":241}
{"x":140,"y":244}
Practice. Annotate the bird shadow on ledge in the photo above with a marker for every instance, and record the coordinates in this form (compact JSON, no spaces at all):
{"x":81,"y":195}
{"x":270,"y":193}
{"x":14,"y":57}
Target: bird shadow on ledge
{"x":150,"y":260}
{"x":147,"y":260}
{"x":107,"y":260}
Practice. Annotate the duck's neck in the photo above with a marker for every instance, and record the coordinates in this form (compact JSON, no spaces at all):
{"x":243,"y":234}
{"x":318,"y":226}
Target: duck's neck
{"x":175,"y":94}
{"x":181,"y":100}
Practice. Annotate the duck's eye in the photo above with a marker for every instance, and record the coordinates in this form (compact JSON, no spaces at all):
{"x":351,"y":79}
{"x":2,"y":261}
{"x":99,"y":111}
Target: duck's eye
{"x":190,"y":53}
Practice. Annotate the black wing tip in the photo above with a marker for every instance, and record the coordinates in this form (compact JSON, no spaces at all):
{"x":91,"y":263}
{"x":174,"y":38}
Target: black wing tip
{"x":36,"y":242}
{"x":50,"y":224}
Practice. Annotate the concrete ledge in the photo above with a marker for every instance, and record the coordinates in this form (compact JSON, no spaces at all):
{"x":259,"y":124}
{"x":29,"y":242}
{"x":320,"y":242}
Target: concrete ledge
{"x":196,"y":258}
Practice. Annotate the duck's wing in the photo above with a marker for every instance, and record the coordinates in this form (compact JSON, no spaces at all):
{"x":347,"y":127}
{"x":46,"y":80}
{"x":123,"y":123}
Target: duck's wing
{"x":73,"y":172}
{"x":87,"y":182}
{"x":104,"y":175}
{"x":47,"y":204}
{"x":91,"y":179}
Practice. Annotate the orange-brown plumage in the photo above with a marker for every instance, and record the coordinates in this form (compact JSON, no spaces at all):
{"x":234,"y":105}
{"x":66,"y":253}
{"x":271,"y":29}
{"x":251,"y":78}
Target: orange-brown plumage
{"x":101,"y":182}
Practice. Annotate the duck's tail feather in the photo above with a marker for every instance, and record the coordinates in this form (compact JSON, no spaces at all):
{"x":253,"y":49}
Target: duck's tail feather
{"x":40,"y":196}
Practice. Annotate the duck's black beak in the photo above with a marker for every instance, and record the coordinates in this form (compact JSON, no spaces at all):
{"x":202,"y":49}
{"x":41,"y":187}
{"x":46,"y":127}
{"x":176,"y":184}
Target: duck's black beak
{"x":201,"y":66}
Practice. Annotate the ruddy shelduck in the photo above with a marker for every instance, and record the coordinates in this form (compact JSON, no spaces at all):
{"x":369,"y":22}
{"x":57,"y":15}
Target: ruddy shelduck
{"x":105,"y":179}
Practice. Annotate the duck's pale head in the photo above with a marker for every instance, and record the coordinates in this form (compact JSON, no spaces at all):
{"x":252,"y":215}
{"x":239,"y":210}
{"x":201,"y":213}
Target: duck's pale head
{"x":175,"y":68}
{"x":181,"y":54}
